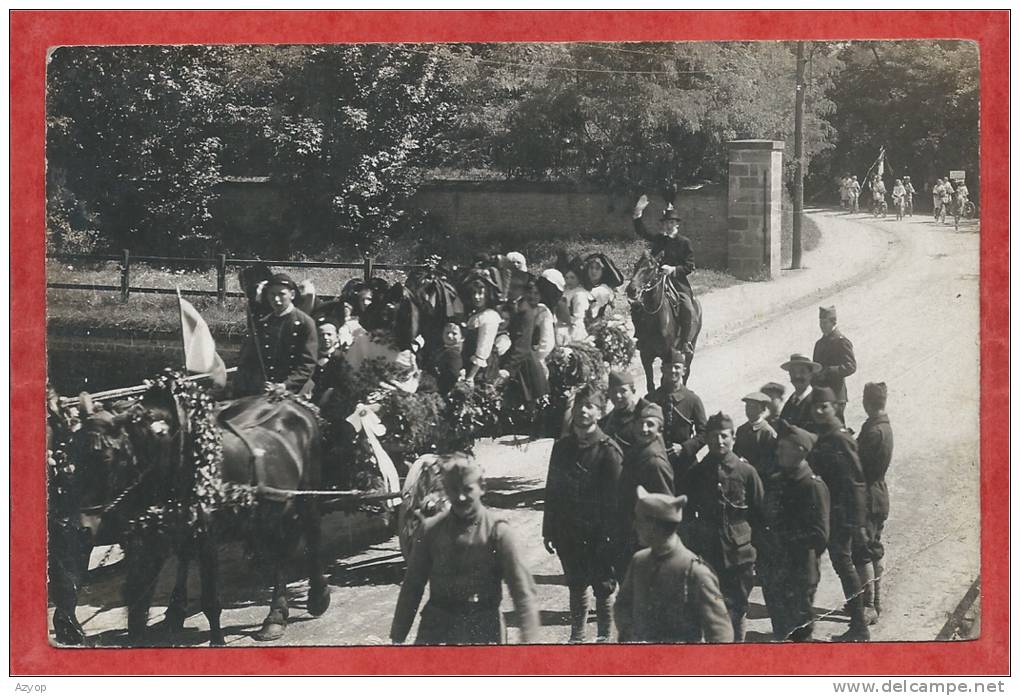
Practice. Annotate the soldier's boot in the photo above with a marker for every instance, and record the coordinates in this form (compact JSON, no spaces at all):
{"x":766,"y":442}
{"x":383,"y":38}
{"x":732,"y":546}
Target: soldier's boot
{"x":858,"y":631}
{"x":879,"y":569}
{"x":867,"y":573}
{"x":579,"y":605}
{"x":604,"y":617}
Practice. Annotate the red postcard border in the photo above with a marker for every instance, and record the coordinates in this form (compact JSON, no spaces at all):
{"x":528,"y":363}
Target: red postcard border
{"x":32,"y":33}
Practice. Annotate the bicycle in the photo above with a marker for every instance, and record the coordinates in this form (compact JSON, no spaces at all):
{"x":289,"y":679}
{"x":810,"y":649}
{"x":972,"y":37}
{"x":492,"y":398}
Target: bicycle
{"x":879,"y":207}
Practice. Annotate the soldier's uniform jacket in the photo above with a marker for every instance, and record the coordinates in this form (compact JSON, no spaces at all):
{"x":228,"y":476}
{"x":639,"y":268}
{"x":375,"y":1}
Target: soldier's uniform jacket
{"x":797,"y":411}
{"x":875,"y":445}
{"x":725,"y":496}
{"x":834,"y":458}
{"x":675,"y":251}
{"x":756,"y":442}
{"x":685,"y":418}
{"x":671,"y":598}
{"x":465,"y":565}
{"x":288,"y":346}
{"x":580,"y":489}
{"x":643,"y":465}
{"x":802,"y":527}
{"x":835,"y":353}
{"x":624,"y":426}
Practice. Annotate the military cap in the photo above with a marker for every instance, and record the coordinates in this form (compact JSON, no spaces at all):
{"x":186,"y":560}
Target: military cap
{"x":876,"y":391}
{"x":618,"y":378}
{"x":800,"y":359}
{"x":657,"y":506}
{"x":757,"y":397}
{"x":675,"y":357}
{"x":773,"y":389}
{"x":719,"y":421}
{"x":827,"y":312}
{"x":820,"y":395}
{"x":652,"y":411}
{"x":798,"y":436}
{"x":461,"y":465}
{"x":284,"y":280}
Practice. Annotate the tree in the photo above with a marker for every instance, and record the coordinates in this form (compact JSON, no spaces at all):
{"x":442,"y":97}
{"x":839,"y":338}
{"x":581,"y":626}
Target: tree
{"x":918,"y":99}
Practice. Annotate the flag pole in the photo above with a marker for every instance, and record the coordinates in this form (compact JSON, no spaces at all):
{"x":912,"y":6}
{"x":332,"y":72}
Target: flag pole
{"x":180,"y":313}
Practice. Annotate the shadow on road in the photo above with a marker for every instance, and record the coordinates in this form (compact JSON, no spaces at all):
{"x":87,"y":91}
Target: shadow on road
{"x":386,"y":570}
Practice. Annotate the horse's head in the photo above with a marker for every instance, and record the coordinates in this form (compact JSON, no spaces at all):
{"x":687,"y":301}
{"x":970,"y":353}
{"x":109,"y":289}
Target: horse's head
{"x":646,"y":272}
{"x":115,"y":445}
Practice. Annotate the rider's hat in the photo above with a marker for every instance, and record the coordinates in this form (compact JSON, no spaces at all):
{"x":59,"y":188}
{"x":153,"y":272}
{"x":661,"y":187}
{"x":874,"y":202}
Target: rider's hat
{"x":670,"y":213}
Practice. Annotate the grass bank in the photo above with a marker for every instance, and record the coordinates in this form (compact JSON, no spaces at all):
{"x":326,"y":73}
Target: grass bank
{"x":80,"y":310}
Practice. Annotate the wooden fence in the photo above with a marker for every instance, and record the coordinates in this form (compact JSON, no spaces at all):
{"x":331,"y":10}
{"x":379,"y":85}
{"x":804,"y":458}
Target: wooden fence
{"x":220,"y":263}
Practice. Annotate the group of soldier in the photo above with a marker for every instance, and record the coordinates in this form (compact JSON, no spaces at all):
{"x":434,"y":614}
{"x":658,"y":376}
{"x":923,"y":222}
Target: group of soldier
{"x":629,"y":505}
{"x":943,"y":192}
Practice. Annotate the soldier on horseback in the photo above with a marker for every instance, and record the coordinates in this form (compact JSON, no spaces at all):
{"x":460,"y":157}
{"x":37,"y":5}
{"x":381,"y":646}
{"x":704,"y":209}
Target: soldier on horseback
{"x":676,"y":259}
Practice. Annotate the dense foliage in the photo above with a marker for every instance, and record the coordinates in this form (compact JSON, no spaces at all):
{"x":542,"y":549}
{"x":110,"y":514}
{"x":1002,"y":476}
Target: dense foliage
{"x":918,"y":99}
{"x":140,"y":139}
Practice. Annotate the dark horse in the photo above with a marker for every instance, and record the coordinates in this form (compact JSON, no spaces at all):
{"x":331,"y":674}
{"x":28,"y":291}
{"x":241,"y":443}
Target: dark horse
{"x":193,"y":477}
{"x":654,"y":313}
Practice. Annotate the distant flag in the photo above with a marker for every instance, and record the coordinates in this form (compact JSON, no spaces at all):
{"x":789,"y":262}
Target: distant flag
{"x":881,"y":162}
{"x":199,"y":347}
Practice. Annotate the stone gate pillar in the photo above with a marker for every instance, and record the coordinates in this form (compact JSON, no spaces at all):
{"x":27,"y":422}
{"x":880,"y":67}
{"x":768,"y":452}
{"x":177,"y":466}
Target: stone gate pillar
{"x":755,"y":208}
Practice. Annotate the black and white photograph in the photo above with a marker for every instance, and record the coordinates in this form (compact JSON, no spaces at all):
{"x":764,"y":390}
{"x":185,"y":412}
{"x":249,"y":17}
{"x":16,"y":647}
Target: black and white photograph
{"x":373,"y":344}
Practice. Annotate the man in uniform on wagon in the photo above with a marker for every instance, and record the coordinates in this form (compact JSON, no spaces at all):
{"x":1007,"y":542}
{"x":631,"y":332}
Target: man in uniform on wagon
{"x":464,"y":556}
{"x":835,"y":354}
{"x":684,"y":427}
{"x":282,"y":352}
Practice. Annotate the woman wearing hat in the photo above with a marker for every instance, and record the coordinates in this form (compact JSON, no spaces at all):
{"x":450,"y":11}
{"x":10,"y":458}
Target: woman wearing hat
{"x":601,"y":277}
{"x":573,"y":307}
{"x":481,"y":297}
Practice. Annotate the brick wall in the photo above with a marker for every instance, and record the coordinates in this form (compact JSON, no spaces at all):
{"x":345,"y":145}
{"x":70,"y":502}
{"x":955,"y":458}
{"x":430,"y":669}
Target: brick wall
{"x":516,"y":210}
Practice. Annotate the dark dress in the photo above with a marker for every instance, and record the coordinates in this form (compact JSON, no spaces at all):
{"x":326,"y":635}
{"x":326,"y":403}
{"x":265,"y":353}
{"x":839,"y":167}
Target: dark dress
{"x":527,"y":378}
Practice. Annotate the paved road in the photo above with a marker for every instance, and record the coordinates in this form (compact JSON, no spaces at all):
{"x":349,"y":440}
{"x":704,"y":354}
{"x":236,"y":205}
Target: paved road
{"x":907,"y":295}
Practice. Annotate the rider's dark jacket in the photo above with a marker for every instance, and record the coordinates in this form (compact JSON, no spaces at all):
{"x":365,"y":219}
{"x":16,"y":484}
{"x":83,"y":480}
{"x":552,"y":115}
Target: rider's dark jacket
{"x":675,"y":251}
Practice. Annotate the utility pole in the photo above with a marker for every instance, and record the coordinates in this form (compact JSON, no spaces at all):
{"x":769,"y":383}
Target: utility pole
{"x":798,"y":154}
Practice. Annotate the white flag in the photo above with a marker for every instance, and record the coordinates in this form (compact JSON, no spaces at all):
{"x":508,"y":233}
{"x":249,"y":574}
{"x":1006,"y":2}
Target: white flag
{"x":881,"y":162}
{"x":199,"y":347}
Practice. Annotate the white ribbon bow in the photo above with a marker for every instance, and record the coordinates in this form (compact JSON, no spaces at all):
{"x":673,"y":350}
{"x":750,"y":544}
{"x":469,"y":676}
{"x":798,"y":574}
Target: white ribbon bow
{"x":365,"y":420}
